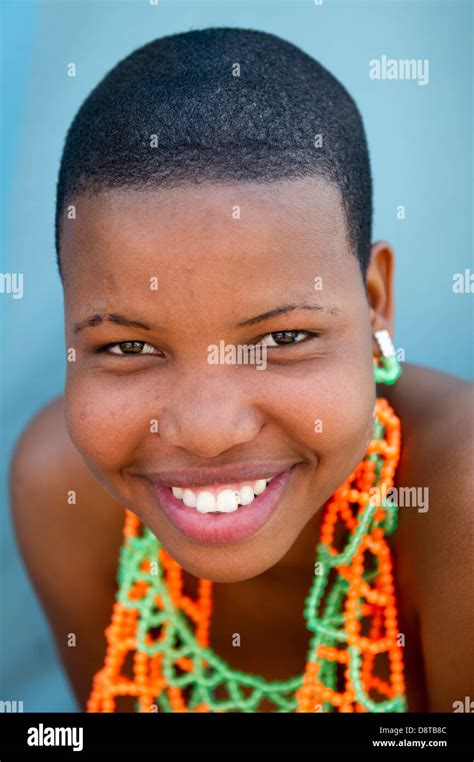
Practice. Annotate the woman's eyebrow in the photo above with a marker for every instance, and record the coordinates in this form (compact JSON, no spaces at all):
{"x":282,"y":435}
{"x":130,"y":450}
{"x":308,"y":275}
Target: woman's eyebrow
{"x":333,"y":310}
{"x":110,"y":317}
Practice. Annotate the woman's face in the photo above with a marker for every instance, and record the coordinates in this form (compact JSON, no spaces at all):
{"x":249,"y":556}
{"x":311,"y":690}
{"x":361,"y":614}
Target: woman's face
{"x":153,"y":281}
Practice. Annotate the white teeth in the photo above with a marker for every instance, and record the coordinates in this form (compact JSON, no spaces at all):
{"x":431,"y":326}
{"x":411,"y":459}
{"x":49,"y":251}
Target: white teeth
{"x":259,"y":486}
{"x":226,"y":501}
{"x":205,"y":502}
{"x":189,"y":498}
{"x":246,"y":495}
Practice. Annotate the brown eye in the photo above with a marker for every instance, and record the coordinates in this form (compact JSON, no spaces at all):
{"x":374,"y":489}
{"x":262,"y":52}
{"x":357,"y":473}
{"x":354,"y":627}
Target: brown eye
{"x":285,"y":338}
{"x":130,"y":348}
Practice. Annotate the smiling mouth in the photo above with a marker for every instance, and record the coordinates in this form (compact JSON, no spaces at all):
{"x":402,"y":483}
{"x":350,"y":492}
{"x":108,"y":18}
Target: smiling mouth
{"x":223,"y":498}
{"x":225,"y":512}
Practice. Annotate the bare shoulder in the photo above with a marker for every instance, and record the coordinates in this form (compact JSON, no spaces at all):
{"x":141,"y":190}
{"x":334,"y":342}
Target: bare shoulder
{"x":57,"y":499}
{"x":434,"y":540}
{"x":69,"y":534}
{"x":437,"y":419}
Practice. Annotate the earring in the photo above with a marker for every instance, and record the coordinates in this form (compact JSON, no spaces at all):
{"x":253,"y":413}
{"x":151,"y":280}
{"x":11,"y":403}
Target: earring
{"x":387,"y":368}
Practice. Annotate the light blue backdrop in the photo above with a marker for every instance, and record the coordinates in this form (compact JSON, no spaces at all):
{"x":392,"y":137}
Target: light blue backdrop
{"x":420,"y":141}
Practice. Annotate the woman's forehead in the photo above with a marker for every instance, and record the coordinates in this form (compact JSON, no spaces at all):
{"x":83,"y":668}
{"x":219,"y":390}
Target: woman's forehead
{"x":197,"y":226}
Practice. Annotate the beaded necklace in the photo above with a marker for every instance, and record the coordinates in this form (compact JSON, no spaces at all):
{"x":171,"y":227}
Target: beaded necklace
{"x":350,"y":613}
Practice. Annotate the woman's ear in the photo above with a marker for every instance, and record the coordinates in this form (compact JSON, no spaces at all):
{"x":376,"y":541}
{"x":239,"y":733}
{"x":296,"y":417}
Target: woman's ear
{"x":379,"y":284}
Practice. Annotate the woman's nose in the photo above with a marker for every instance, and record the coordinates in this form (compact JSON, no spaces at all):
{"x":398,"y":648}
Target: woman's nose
{"x":209,"y":416}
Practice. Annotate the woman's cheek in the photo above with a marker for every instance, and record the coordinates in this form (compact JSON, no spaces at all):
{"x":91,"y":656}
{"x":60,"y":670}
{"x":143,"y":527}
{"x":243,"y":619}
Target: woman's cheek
{"x":352,"y":424}
{"x":329,"y":412}
{"x":107,"y":418}
{"x":340,"y":432}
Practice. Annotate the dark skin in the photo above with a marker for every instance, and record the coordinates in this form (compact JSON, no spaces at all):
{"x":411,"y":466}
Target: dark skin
{"x":97,"y":441}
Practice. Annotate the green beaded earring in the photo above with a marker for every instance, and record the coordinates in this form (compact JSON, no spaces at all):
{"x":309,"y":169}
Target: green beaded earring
{"x":388,"y":369}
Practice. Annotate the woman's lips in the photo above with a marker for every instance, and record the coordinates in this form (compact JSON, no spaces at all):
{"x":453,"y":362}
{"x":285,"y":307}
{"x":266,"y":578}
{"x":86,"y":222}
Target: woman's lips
{"x":223,"y":528}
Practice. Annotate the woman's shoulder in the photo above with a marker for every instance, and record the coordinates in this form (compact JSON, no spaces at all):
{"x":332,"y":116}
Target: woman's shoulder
{"x":69,"y":531}
{"x":423,"y":394}
{"x":434,"y":539}
{"x":436,"y":411}
{"x":47,"y":469}
{"x":434,"y":477}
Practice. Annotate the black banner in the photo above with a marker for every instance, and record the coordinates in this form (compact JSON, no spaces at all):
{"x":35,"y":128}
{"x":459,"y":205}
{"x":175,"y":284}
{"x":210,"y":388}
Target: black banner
{"x":85,"y":736}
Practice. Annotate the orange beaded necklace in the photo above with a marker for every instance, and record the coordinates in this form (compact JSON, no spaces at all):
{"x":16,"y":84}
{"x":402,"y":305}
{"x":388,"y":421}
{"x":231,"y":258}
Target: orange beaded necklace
{"x":352,"y":618}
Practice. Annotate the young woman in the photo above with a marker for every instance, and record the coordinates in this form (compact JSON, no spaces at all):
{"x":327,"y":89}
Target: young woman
{"x":215,"y":193}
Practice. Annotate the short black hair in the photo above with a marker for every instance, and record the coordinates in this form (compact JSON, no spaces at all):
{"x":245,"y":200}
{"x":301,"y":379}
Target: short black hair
{"x":215,"y":123}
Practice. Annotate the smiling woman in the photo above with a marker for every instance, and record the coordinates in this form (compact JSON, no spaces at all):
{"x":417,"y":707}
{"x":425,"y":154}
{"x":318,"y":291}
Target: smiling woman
{"x":226,"y":479}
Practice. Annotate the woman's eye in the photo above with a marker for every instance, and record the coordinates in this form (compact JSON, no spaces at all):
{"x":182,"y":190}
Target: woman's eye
{"x":285,"y":338}
{"x":129,"y":348}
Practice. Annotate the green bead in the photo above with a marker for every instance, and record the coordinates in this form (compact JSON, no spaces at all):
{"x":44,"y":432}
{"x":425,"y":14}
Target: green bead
{"x":388,"y":371}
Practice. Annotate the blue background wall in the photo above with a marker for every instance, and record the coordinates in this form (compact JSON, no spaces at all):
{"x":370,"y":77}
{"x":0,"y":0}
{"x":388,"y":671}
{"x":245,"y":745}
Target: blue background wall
{"x":421,"y":147}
